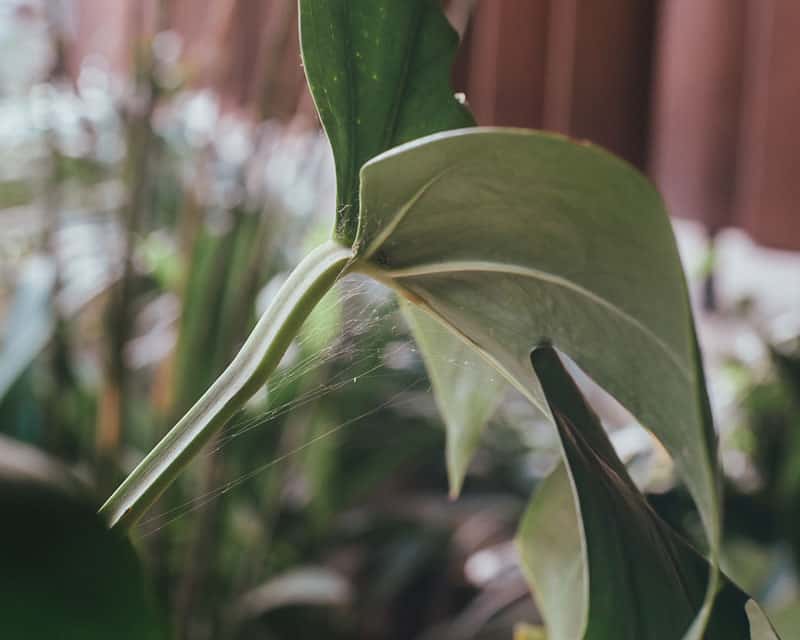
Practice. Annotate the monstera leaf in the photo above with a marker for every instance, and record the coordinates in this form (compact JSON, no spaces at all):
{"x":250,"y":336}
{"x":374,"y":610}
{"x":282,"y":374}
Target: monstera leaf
{"x":637,"y":578}
{"x":512,"y":238}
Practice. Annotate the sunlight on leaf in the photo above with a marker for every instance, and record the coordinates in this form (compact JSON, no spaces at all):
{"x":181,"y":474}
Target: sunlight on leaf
{"x":513,"y":238}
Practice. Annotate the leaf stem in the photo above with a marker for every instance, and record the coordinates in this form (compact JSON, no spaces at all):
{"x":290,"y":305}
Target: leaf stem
{"x":251,"y":367}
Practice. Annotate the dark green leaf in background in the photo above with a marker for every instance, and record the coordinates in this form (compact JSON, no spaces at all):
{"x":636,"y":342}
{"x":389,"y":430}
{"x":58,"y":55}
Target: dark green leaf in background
{"x":63,"y":574}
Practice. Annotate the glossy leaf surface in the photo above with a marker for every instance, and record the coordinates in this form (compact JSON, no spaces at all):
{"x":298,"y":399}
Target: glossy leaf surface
{"x":379,"y":73}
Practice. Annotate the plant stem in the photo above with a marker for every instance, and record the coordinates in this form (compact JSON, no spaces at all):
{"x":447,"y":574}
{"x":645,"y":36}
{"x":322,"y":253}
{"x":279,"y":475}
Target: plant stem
{"x":251,"y":367}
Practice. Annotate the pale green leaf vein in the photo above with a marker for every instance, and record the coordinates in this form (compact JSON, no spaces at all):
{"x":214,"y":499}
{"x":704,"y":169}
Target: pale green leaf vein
{"x":389,"y":228}
{"x":487,"y":266}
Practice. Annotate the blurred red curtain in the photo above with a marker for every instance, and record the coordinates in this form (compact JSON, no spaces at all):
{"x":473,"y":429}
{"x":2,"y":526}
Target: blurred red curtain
{"x":704,"y":94}
{"x":701,"y":93}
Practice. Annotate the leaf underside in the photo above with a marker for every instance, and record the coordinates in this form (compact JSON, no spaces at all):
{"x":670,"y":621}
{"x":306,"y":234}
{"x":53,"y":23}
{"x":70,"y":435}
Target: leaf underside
{"x":513,"y":238}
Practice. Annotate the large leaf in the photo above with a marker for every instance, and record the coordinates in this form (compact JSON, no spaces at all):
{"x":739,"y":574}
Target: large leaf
{"x":379,"y":74}
{"x":467,"y":389}
{"x":512,"y":238}
{"x":637,"y":577}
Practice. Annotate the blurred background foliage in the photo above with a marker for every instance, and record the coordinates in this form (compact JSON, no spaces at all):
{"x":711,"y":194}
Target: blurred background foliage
{"x":146,"y":219}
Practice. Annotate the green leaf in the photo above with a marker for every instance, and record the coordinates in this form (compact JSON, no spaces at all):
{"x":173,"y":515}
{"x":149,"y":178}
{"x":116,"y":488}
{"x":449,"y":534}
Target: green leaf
{"x":64,"y":574}
{"x":379,"y":73}
{"x":639,"y":579}
{"x":512,"y":238}
{"x":786,"y":358}
{"x":467,"y":389}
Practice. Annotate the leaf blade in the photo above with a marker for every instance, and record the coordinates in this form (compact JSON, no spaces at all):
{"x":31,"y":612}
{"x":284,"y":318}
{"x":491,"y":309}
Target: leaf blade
{"x":379,"y":73}
{"x":518,"y":238}
{"x":568,"y":212}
